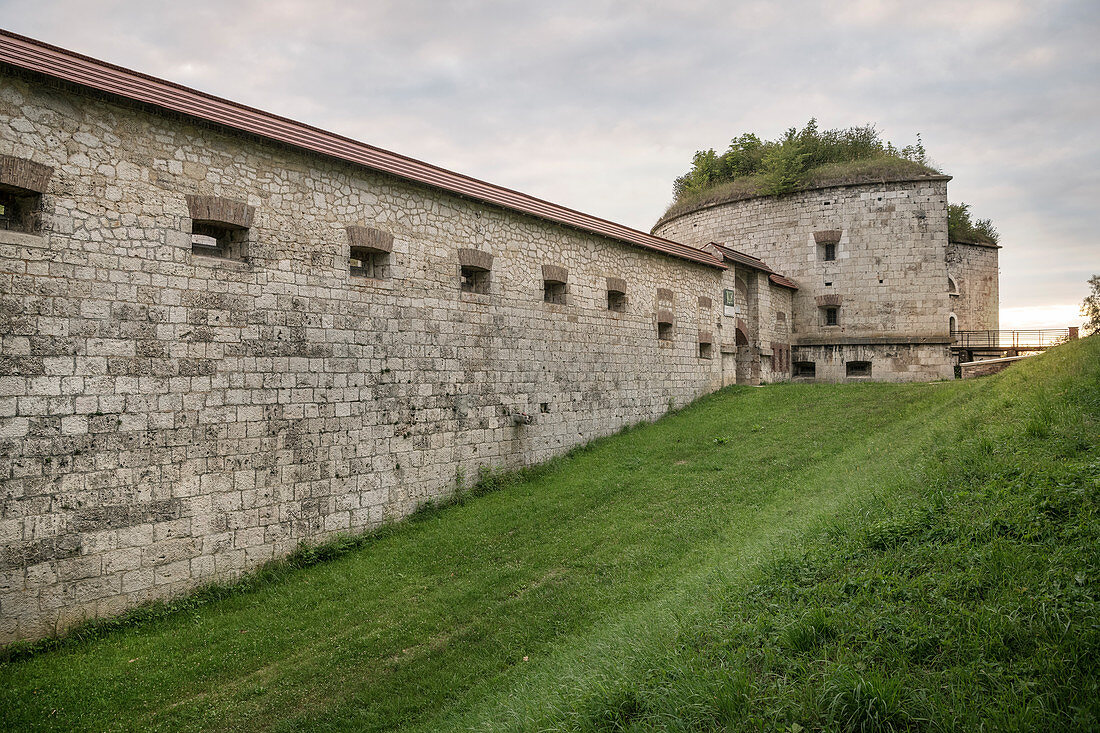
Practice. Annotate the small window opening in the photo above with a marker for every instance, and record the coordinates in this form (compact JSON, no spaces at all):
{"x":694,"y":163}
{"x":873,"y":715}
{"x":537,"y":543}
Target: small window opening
{"x":832,"y":316}
{"x":215,"y":239}
{"x":19,"y":210}
{"x":828,"y":283}
{"x":664,"y":331}
{"x":616,"y":301}
{"x":880,"y":281}
{"x":953,"y":323}
{"x":367,"y":262}
{"x":544,"y":408}
{"x":805,"y":368}
{"x":553,"y":292}
{"x":829,"y":253}
{"x":475,"y":280}
{"x":857,"y":368}
{"x":705,"y":351}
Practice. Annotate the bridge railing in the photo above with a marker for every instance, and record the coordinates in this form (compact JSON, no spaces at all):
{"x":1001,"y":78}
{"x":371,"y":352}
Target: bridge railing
{"x":1037,"y":339}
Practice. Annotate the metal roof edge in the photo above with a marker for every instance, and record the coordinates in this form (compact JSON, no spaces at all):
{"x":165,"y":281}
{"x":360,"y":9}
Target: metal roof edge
{"x":33,"y":55}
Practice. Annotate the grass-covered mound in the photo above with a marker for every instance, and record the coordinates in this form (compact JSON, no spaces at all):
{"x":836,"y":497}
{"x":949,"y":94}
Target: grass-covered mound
{"x":863,"y":557}
{"x":800,"y":160}
{"x":808,"y":159}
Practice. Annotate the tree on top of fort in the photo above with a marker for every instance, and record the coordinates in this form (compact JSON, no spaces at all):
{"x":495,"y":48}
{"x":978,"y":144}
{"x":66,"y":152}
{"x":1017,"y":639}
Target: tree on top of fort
{"x":812,"y":158}
{"x":785,"y":164}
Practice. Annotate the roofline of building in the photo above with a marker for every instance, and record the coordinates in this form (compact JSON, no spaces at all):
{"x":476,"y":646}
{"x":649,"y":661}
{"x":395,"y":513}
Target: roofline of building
{"x":987,"y":245}
{"x":782,"y":281}
{"x":69,"y":66}
{"x":732,"y":255}
{"x":819,"y":187}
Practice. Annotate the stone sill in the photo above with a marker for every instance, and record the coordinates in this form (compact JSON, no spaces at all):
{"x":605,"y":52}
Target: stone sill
{"x":22,"y":239}
{"x":211,"y":259}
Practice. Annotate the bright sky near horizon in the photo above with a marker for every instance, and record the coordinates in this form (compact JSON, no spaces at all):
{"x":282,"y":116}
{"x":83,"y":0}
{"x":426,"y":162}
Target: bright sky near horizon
{"x":599,"y":105}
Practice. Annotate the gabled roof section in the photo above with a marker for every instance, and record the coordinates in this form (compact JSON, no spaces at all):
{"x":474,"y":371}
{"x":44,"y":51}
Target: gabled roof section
{"x":27,"y":53}
{"x":782,"y":281}
{"x":729,"y":254}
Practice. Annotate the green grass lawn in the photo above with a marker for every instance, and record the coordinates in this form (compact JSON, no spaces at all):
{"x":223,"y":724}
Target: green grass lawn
{"x":864,"y":557}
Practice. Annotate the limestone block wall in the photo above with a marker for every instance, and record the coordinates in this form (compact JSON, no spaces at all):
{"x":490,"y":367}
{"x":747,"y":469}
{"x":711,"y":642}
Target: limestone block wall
{"x":974,"y":270}
{"x":169,"y":419}
{"x":889,"y":276}
{"x":887,"y":362}
{"x":775,"y":334}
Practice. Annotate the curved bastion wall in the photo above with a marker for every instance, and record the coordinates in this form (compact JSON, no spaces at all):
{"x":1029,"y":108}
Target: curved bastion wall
{"x":870,"y":262}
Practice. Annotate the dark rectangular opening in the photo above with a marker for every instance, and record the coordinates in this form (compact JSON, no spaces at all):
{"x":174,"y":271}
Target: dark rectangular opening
{"x":832,"y":316}
{"x":213,"y":239}
{"x":367,"y":262}
{"x":553,"y":292}
{"x":19,"y":210}
{"x":664,"y":331}
{"x":805,"y":369}
{"x":706,"y":351}
{"x":857,"y":368}
{"x":475,"y":280}
{"x":828,"y":252}
{"x":616,"y":301}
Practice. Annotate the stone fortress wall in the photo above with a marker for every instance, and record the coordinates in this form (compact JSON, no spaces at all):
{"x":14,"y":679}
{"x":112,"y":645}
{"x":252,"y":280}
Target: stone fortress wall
{"x":974,"y":285}
{"x":877,"y":255}
{"x":215,"y":345}
{"x":170,"y":418}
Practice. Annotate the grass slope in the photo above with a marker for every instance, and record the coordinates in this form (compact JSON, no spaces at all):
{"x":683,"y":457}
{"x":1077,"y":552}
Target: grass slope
{"x":867,"y":557}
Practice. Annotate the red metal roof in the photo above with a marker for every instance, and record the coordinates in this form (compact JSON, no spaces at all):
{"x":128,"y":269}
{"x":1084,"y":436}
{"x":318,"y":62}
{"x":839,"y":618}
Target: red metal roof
{"x":59,"y":63}
{"x":756,"y":263}
{"x":785,"y":282}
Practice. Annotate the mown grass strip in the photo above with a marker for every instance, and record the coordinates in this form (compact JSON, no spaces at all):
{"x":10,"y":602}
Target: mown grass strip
{"x":660,"y":579}
{"x":967,"y":599}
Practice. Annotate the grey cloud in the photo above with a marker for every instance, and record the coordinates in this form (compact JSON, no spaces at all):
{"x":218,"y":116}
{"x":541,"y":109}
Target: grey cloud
{"x":599,"y":105}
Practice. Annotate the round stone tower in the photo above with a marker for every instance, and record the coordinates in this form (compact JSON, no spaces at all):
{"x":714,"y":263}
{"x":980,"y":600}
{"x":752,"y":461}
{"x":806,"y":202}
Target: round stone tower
{"x":870,"y":261}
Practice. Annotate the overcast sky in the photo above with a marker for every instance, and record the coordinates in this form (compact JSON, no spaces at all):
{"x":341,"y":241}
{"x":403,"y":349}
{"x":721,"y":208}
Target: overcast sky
{"x":600,"y":105}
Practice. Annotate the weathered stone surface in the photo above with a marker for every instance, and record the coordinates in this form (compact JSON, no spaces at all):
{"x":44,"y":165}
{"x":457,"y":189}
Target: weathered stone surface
{"x":370,"y":238}
{"x":976,"y":299}
{"x":25,"y":174}
{"x":555,"y":274}
{"x":474,"y":258}
{"x":220,"y":210}
{"x":169,"y":419}
{"x":889,"y":277}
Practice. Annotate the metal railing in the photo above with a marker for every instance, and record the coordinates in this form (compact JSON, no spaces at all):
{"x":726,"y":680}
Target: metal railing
{"x":1035,"y":340}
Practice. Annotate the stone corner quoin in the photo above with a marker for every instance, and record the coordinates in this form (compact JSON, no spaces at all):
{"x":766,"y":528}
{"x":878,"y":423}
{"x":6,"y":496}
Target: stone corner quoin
{"x":214,"y":346}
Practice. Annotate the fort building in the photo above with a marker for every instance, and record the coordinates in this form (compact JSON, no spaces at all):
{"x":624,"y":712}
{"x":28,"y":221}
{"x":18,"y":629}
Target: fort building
{"x":881,"y":289}
{"x":223,"y":333}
